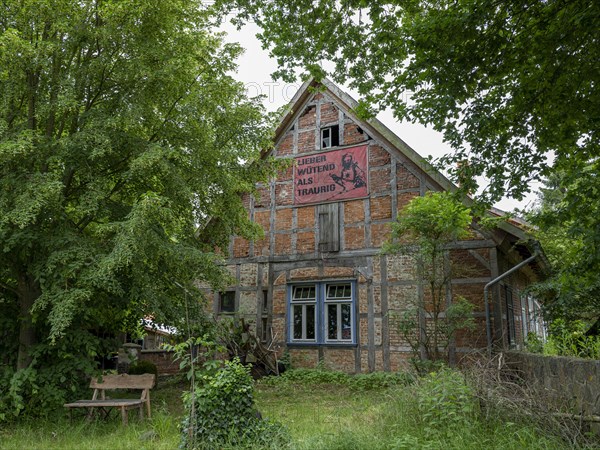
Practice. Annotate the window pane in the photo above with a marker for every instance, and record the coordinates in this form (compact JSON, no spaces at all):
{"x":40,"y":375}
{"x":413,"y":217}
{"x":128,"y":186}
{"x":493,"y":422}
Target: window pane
{"x":331,"y":291}
{"x":297,"y":313}
{"x":339,"y":291}
{"x":310,"y":321}
{"x":332,"y":321}
{"x":303,"y":293}
{"x":227,"y":302}
{"x":346,"y":321}
{"x":326,"y":137}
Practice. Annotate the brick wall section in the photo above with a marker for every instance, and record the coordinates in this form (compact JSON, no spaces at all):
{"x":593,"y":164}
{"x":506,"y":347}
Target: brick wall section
{"x":354,"y":211}
{"x":380,"y":233}
{"x":241,"y":247}
{"x":352,"y":135}
{"x":283,"y":219}
{"x":306,"y":217}
{"x":283,"y":244}
{"x":284,"y":194}
{"x":286,"y":146}
{"x":378,"y":156}
{"x":305,"y":242}
{"x":262,"y":197}
{"x":354,"y":237}
{"x":381,"y":208}
{"x":306,"y":141}
{"x":329,"y":114}
{"x":162,"y":359}
{"x":308,"y":118}
{"x":379,"y":180}
{"x":406,"y":179}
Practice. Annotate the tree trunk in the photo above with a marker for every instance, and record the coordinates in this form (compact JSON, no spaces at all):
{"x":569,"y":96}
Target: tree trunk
{"x":29,"y":291}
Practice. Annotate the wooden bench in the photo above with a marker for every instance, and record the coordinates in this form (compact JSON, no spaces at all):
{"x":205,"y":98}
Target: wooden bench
{"x":144,"y":382}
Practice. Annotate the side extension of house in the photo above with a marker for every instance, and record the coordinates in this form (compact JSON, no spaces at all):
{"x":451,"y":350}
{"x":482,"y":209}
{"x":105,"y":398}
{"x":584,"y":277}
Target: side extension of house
{"x":318,"y":285}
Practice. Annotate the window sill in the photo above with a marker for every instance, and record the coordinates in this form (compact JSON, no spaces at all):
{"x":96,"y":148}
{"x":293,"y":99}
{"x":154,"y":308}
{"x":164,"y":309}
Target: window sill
{"x":321,"y":345}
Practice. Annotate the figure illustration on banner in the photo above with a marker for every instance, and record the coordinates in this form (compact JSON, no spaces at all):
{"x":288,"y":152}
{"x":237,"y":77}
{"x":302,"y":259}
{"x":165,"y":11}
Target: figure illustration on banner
{"x":351,"y":174}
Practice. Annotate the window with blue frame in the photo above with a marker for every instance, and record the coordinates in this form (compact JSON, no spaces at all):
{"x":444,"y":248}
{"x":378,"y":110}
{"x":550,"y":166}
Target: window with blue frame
{"x":322,"y":313}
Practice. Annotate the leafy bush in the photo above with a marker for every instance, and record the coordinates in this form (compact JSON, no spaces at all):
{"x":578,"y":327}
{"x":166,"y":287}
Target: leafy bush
{"x":59,"y":372}
{"x":566,"y":339}
{"x":221,"y":412}
{"x":533,"y":343}
{"x":141,"y":367}
{"x":445,"y":398}
{"x":363,"y":381}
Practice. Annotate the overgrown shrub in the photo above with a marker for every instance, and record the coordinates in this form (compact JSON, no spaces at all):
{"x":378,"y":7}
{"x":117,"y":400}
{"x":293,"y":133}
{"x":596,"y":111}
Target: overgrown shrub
{"x":141,"y":367}
{"x":533,"y":343}
{"x":58,"y":373}
{"x":445,"y":397}
{"x":320,"y":376}
{"x":566,"y":339}
{"x":221,"y":413}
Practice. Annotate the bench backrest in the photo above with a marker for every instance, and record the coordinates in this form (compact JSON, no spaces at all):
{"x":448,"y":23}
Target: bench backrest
{"x":124,"y":381}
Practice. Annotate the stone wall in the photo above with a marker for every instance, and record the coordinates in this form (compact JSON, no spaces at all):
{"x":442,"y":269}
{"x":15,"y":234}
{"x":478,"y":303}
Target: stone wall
{"x":570,"y":382}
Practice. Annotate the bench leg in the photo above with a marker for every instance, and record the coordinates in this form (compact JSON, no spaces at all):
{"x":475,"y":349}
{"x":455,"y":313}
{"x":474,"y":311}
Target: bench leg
{"x":148,"y":404}
{"x":124,"y":415}
{"x":141,"y":410}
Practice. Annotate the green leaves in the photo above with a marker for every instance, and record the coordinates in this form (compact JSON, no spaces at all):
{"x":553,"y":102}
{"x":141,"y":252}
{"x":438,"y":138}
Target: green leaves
{"x":222,"y":413}
{"x":121,"y":132}
{"x":569,"y":230}
{"x":429,"y":222}
{"x":510,"y":86}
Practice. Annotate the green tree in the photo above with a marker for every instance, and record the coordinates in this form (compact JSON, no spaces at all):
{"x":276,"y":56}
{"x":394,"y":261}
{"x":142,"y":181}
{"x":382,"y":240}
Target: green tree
{"x":568,"y":226}
{"x":124,"y":147}
{"x":506,"y":82}
{"x":423,"y":230}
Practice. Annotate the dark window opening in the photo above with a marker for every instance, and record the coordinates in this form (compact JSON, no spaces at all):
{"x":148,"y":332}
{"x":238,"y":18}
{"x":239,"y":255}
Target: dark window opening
{"x":330,"y":136}
{"x":227,"y":302}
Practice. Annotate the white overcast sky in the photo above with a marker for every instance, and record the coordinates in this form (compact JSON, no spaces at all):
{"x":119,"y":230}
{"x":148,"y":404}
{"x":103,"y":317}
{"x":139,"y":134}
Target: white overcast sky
{"x":256,"y":67}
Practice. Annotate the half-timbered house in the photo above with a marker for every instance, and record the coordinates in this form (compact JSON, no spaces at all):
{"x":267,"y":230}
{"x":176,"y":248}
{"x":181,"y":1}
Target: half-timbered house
{"x":318,"y":284}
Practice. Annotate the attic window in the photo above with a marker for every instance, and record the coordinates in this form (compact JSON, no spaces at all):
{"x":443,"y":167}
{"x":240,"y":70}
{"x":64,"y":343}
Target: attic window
{"x":330,"y":136}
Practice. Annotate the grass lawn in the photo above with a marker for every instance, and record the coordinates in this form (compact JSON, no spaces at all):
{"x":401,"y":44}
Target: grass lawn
{"x":318,"y":416}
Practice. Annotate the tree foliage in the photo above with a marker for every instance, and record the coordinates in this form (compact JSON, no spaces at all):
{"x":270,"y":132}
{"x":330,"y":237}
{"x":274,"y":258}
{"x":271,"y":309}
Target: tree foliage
{"x":423,"y":230}
{"x":124,"y":147}
{"x":568,"y":220}
{"x":508,"y":83}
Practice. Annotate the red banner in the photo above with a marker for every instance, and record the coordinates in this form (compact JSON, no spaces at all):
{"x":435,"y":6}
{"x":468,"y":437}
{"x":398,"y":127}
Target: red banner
{"x":331,"y":176}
